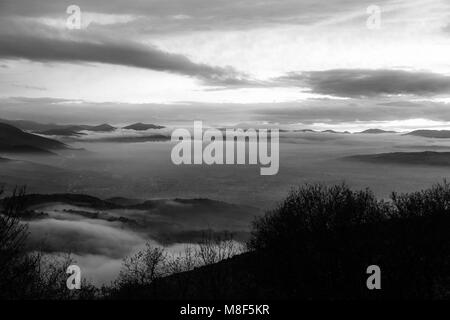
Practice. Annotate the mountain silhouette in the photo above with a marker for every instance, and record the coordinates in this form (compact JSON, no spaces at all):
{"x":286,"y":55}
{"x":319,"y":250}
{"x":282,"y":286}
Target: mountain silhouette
{"x":60,"y":132}
{"x":142,"y":126}
{"x":100,"y":128}
{"x":439,"y":134}
{"x":425,"y":158}
{"x":376,"y":131}
{"x":14,"y":140}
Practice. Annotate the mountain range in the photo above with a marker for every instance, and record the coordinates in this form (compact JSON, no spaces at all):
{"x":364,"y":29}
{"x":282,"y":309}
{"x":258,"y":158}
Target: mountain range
{"x":425,"y":158}
{"x":72,"y":129}
{"x":170,"y":220}
{"x":438,"y":134}
{"x":14,"y":140}
{"x":376,"y":131}
{"x":142,"y":127}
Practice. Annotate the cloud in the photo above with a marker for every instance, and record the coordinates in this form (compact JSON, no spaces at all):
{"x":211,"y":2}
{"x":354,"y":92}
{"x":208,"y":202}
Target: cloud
{"x":309,"y":111}
{"x":126,"y":53}
{"x":171,"y":15}
{"x":446,"y":28}
{"x":370,"y":83}
{"x":29,"y":87}
{"x":60,"y":111}
{"x":337,"y":111}
{"x":82,"y":237}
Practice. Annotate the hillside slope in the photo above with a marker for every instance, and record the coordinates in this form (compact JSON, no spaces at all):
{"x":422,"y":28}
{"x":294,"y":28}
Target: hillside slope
{"x":13,"y":140}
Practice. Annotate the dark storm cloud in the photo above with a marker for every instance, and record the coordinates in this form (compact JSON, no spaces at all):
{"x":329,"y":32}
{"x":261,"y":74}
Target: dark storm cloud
{"x":58,"y":49}
{"x":370,"y":83}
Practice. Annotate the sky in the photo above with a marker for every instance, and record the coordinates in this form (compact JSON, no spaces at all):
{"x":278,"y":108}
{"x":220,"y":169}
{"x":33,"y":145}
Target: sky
{"x":344,"y":64}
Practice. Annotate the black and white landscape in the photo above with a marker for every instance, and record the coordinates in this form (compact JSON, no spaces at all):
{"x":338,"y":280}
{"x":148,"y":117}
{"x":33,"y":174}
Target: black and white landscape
{"x":91,"y":92}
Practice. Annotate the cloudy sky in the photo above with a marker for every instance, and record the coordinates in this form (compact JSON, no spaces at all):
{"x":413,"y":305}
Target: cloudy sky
{"x":302,"y":62}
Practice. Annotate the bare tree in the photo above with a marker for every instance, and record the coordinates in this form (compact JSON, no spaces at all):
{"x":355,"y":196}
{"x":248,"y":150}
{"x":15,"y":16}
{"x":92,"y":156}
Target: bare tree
{"x":183,"y":261}
{"x":144,"y":267}
{"x":12,"y":232}
{"x":216,"y":247}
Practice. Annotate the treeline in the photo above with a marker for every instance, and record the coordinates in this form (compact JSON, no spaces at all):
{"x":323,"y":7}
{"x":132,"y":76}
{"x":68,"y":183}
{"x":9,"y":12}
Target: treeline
{"x":316,"y":244}
{"x":30,"y":275}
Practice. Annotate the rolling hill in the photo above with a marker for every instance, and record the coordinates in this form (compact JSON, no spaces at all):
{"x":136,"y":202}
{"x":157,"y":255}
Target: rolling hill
{"x":169,"y":220}
{"x":126,"y":139}
{"x":438,"y":134}
{"x":142,"y":126}
{"x":15,"y":140}
{"x":100,"y":128}
{"x":335,"y":132}
{"x":60,"y":132}
{"x":52,"y":127}
{"x":376,"y":131}
{"x":427,"y":158}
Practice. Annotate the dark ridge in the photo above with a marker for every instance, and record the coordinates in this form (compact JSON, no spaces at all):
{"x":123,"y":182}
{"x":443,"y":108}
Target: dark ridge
{"x":142,"y":126}
{"x":429,"y":158}
{"x":72,"y":199}
{"x":376,"y":131}
{"x":13,"y":139}
{"x":60,"y":132}
{"x":438,"y":134}
{"x":101,"y":216}
{"x":332,"y":131}
{"x":155,"y":137}
{"x":100,"y":128}
{"x":40,"y":127}
{"x":305,"y":130}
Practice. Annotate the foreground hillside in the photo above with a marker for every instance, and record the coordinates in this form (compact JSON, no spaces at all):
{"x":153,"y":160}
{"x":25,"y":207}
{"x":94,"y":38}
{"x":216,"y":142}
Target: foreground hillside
{"x":317,"y":244}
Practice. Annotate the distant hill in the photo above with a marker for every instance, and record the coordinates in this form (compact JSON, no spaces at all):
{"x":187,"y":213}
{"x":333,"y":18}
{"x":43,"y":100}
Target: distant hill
{"x":177,"y":220}
{"x":376,"y":131}
{"x":76,"y":128}
{"x":100,"y":128}
{"x":68,"y":198}
{"x":13,"y":140}
{"x":428,"y":158}
{"x":332,"y":131}
{"x":60,"y":132}
{"x":439,"y":134}
{"x":42,"y":127}
{"x":134,"y":139}
{"x":142,"y":126}
{"x":304,"y":130}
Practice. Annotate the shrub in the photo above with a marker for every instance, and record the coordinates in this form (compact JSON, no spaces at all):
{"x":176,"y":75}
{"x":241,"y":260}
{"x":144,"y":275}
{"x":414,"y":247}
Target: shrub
{"x":434,"y":201}
{"x":313,"y":209}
